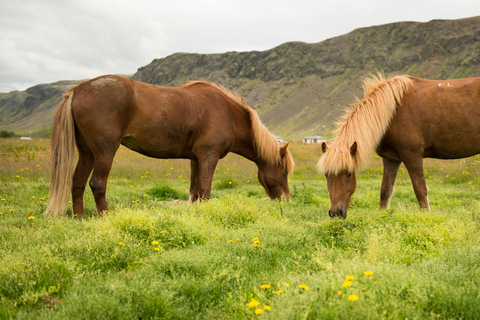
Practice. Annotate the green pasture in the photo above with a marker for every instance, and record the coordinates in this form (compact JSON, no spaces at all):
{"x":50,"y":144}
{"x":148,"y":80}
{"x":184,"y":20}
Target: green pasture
{"x":237,"y":256}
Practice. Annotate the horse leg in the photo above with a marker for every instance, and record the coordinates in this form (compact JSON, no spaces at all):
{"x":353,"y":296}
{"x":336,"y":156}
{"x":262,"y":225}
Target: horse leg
{"x":390,"y":169}
{"x":193,"y":180}
{"x":80,"y":177}
{"x":206,"y":168}
{"x":414,"y":165}
{"x":98,"y":182}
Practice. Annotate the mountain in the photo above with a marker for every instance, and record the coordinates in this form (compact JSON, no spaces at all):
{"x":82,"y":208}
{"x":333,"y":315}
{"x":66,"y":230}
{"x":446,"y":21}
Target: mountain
{"x":298,"y":88}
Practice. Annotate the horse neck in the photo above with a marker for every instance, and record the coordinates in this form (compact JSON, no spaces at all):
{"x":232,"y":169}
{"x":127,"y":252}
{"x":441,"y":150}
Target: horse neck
{"x":244,"y":144}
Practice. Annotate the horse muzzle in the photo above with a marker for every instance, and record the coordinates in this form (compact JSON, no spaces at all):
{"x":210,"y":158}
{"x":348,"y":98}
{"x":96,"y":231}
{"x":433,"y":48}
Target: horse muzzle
{"x":341,"y":213}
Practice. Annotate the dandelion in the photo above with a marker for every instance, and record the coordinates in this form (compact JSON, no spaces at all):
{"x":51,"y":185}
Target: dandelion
{"x":353,"y":297}
{"x":303,"y":286}
{"x":254,"y":239}
{"x":155,"y":242}
{"x":349,"y":278}
{"x":31,"y":218}
{"x":33,"y":197}
{"x":253,"y":303}
{"x":280,"y":291}
{"x":348,"y":283}
{"x":1,"y":213}
{"x":230,"y":240}
{"x":12,"y":210}
{"x":3,"y":199}
{"x":238,"y":240}
{"x":368,"y":273}
{"x":156,"y":249}
{"x":258,"y":311}
{"x":121,"y":243}
{"x":339,"y":292}
{"x":267,"y":308}
{"x":265,"y":286}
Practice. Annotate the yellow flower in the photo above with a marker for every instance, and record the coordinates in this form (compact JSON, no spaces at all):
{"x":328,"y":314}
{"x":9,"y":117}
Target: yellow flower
{"x":3,"y":199}
{"x":265,"y":286}
{"x":280,"y":291}
{"x":368,"y":273}
{"x":1,"y":212}
{"x":154,"y":242}
{"x":11,"y":210}
{"x":238,"y":239}
{"x":120,"y":243}
{"x":230,"y":240}
{"x":255,"y":239}
{"x":349,"y":278}
{"x":348,"y":283}
{"x":256,"y":245}
{"x":258,"y":311}
{"x":267,"y":308}
{"x":157,"y":249}
{"x":303,"y":286}
{"x":31,"y":218}
{"x":253,"y":303}
{"x":33,"y":197}
{"x":353,"y":297}
{"x":339,"y":292}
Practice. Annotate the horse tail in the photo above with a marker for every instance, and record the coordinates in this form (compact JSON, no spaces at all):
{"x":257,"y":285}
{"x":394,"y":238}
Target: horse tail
{"x":62,"y":157}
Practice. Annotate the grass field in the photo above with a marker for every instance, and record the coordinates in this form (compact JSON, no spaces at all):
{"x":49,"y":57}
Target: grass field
{"x":238,"y":256}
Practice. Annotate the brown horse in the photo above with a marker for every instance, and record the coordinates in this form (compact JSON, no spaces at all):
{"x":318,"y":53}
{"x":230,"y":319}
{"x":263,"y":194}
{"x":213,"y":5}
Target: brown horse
{"x":404,"y":119}
{"x":200,"y":121}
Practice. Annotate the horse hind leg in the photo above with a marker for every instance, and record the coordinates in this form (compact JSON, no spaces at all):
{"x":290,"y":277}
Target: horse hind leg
{"x":80,"y":177}
{"x":98,"y":182}
{"x":193,"y":180}
{"x":390,"y":170}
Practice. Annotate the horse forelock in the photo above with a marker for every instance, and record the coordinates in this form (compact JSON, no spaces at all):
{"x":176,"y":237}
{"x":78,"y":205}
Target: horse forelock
{"x":365,"y":122}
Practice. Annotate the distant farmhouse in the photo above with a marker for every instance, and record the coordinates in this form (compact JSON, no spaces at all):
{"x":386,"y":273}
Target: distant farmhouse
{"x":279,"y":139}
{"x":314,"y":139}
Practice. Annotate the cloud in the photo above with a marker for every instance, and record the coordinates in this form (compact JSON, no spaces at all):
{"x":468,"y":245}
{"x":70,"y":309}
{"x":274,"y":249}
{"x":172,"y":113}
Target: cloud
{"x":49,"y":40}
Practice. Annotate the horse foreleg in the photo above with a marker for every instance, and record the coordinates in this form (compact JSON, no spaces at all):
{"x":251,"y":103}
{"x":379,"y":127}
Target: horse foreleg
{"x":80,"y":177}
{"x":206,"y":168}
{"x":390,"y":169}
{"x":414,"y":165}
{"x":193,"y":180}
{"x":98,"y":182}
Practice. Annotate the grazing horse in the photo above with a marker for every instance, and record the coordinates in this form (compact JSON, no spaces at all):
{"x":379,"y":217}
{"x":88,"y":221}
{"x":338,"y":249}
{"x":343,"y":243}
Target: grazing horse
{"x":200,"y":121}
{"x":404,"y":119}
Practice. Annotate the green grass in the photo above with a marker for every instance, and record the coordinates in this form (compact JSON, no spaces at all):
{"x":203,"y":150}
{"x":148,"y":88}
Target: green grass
{"x":151,"y":259}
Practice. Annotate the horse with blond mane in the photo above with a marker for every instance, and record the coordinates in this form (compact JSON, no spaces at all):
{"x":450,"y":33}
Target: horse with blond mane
{"x":404,"y":119}
{"x":200,"y":121}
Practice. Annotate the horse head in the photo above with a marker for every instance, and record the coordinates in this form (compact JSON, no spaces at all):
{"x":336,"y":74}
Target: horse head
{"x":341,"y":187}
{"x":274,"y":177}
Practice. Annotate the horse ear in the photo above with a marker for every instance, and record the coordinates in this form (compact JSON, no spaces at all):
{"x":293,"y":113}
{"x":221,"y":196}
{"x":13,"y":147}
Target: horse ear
{"x":283,"y":150}
{"x":353,"y":149}
{"x":324,"y":147}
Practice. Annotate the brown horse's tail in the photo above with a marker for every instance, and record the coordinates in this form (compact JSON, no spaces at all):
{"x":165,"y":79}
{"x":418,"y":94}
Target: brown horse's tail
{"x":62,"y":157}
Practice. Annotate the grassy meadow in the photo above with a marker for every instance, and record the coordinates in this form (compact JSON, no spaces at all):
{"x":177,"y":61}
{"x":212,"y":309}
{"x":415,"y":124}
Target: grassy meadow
{"x":238,"y":256}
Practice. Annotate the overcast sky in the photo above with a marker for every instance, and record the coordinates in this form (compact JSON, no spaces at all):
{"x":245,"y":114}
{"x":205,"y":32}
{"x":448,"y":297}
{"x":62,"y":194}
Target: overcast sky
{"x":44,"y":41}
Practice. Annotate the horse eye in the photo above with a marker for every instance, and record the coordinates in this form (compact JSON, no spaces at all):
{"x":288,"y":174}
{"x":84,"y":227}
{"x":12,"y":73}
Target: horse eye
{"x":349,"y":175}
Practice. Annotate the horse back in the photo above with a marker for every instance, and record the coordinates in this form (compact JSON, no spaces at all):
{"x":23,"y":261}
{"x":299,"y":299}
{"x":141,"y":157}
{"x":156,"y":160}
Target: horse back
{"x":157,"y":121}
{"x":438,"y":118}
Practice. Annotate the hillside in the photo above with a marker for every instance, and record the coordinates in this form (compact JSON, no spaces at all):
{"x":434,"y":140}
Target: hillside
{"x":298,"y":88}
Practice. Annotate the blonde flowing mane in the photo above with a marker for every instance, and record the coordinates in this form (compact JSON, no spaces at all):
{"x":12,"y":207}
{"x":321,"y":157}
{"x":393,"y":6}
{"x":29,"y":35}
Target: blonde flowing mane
{"x":365,"y":122}
{"x":266,"y":145}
